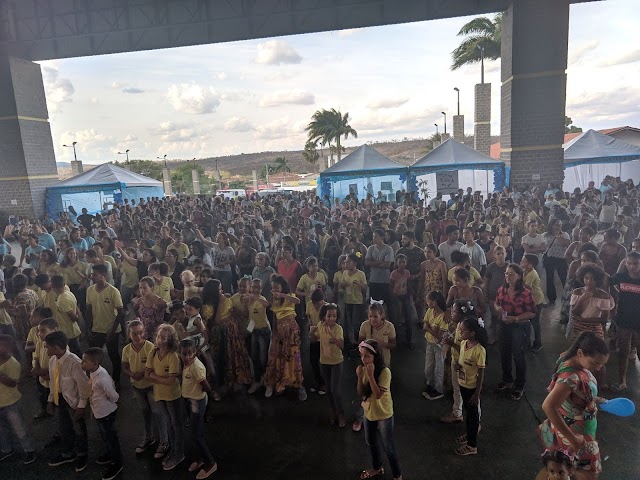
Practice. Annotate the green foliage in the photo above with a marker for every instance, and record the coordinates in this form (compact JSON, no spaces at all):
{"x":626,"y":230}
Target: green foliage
{"x":182,"y":180}
{"x":236,"y":184}
{"x":329,"y":126}
{"x":569,"y":127}
{"x":311,"y":154}
{"x":479,"y":32}
{"x":263,"y":171}
{"x":148,"y":168}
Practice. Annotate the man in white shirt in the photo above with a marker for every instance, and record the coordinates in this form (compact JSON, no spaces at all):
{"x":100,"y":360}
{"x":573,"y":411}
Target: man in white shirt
{"x":475,"y":252}
{"x":451,"y":245}
{"x":68,"y":396}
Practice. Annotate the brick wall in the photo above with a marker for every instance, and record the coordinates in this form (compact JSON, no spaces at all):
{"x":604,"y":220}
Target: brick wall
{"x":482,"y":118}
{"x":458,"y":128}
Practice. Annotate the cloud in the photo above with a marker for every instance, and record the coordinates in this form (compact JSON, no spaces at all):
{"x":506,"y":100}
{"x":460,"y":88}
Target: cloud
{"x":221,"y":76}
{"x":279,"y":128}
{"x":348,"y":32}
{"x":577,"y":53}
{"x":130,"y":138}
{"x":117,"y":85}
{"x":391,"y":102}
{"x":605,"y":105}
{"x":181,"y":135}
{"x":630,"y":57}
{"x":94,"y":100}
{"x":276,"y":52}
{"x":132,"y":90}
{"x":238,"y":124}
{"x":193,"y":98}
{"x":58,"y":90}
{"x":237,"y":96}
{"x":290,"y":97}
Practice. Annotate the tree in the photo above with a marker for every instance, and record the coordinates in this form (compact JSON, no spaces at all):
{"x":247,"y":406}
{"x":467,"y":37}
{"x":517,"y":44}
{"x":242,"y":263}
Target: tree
{"x":148,"y":168}
{"x":329,"y":126}
{"x":182,"y":179}
{"x":266,"y":170}
{"x":433,"y":141}
{"x":236,"y":184}
{"x":481,"y":32}
{"x":310,"y":153}
{"x":282,"y":166}
{"x":569,"y":127}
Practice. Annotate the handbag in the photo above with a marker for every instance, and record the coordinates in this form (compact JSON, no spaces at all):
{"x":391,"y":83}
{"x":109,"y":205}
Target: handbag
{"x":544,"y":255}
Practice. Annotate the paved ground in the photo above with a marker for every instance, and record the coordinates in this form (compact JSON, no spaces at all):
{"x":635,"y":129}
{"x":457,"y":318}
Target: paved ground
{"x":281,"y":438}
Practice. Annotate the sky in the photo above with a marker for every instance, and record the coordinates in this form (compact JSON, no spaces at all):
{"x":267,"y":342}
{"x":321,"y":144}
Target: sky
{"x":258,"y":95}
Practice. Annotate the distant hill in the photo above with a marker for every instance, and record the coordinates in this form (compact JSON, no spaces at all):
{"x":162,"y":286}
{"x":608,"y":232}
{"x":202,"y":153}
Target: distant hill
{"x":63,"y":164}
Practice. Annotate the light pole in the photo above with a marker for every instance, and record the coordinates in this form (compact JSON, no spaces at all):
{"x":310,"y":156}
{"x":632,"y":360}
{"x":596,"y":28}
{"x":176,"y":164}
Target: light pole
{"x":481,"y":63}
{"x":73,"y":145}
{"x":126,"y":152}
{"x":445,"y":122}
{"x":458,"y":90}
{"x":437,"y":134}
{"x":165,"y":160}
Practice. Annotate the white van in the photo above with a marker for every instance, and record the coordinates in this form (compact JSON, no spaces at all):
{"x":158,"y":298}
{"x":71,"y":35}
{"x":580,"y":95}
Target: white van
{"x":232,"y":193}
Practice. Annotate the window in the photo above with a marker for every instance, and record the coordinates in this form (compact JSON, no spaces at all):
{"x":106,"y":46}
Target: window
{"x":385,"y":186}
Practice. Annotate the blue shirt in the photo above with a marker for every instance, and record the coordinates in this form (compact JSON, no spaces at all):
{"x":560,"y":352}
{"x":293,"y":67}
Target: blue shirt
{"x":47,"y":241}
{"x":81,"y":246}
{"x":32,"y":255}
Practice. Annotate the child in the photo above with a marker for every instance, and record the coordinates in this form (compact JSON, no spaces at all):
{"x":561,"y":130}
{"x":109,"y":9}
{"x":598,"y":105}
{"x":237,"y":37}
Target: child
{"x":134,"y":359}
{"x":374,"y":387}
{"x":354,"y":285}
{"x":162,"y":369}
{"x":40,"y":359}
{"x":331,"y":342}
{"x":314,"y":305}
{"x":558,"y":465}
{"x":531,"y":280}
{"x":314,"y":279}
{"x":194,"y":389}
{"x":284,"y":368}
{"x":10,"y":415}
{"x":260,"y":332}
{"x":462,"y":260}
{"x":189,"y":282}
{"x":68,"y":397}
{"x":163,"y":285}
{"x":435,"y":326}
{"x":404,"y":310}
{"x":470,"y":370}
{"x":338,"y":277}
{"x":241,"y":311}
{"x":103,"y":398}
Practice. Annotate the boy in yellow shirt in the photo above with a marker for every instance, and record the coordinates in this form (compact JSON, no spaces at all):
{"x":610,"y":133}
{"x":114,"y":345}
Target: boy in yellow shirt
{"x":314,"y":305}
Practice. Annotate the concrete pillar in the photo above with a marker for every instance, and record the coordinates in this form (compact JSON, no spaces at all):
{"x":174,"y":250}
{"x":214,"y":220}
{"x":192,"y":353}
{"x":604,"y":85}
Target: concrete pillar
{"x":27,"y":160}
{"x":76,"y":167}
{"x":444,"y":137}
{"x":254,"y":174}
{"x":482,"y":118}
{"x":166,"y":180}
{"x":195,"y":177}
{"x":458,"y":128}
{"x":534,"y":62}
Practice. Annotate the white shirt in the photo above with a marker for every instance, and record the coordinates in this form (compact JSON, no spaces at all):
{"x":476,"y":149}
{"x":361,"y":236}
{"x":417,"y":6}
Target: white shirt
{"x":74,"y":384}
{"x":476,"y":254}
{"x":103,"y":393}
{"x":535,"y":242}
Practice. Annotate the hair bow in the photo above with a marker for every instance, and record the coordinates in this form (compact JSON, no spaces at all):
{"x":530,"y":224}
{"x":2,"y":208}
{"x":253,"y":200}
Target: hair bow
{"x":468,"y":307}
{"x":481,"y":322}
{"x":248,"y":277}
{"x":564,"y":451}
{"x":373,"y":302}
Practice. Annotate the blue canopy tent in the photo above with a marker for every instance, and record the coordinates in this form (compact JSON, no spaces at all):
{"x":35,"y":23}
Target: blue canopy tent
{"x":363,"y":171}
{"x":453,"y":165}
{"x":594,"y":155}
{"x":104,"y":184}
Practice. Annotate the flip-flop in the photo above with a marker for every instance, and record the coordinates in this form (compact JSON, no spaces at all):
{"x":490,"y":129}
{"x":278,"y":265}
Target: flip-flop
{"x":371,"y":473}
{"x":618,"y":387}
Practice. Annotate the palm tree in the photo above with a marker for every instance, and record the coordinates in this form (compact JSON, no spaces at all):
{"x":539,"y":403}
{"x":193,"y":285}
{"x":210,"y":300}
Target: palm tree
{"x":282,"y":165}
{"x":328,"y":126}
{"x":483,"y":36}
{"x":310,"y":153}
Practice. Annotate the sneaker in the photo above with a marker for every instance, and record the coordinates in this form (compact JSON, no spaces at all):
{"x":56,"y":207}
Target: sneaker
{"x":503,"y":386}
{"x":29,"y":457}
{"x":451,"y":418}
{"x":253,"y":388}
{"x":313,"y":390}
{"x":322,"y":390}
{"x":435,"y":395}
{"x":41,"y":415}
{"x":173,"y":462}
{"x":62,"y":459}
{"x":206,"y":472}
{"x":5,"y":455}
{"x":357,"y":426}
{"x":112,"y":472}
{"x":268,"y":391}
{"x":195,"y":465}
{"x":104,"y":459}
{"x":302,"y":394}
{"x":81,"y":463}
{"x":148,"y":442}
{"x":161,"y":451}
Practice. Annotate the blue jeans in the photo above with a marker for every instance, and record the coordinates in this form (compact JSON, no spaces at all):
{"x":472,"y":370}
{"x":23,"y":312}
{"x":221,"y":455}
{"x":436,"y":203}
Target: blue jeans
{"x":170,"y":418}
{"x":11,"y":421}
{"x":260,"y":339}
{"x":72,"y":430}
{"x":332,"y":375}
{"x":198,"y":410}
{"x":514,"y":339}
{"x":381,"y":431}
{"x":109,"y":434}
{"x":149,"y":407}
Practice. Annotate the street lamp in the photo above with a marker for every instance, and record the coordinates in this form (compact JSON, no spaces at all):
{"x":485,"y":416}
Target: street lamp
{"x":165,"y":160}
{"x":437,"y":134}
{"x":458,"y":90}
{"x":126,"y":152}
{"x":73,"y":145}
{"x":445,"y":122}
{"x":481,"y":63}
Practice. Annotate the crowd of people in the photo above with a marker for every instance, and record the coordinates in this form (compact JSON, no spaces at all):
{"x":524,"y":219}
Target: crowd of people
{"x":198,"y":297}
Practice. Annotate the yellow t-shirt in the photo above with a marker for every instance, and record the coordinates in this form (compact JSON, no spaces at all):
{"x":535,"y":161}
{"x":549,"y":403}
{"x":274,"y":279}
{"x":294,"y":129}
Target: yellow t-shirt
{"x":137,"y":359}
{"x":10,"y":395}
{"x":183,"y":251}
{"x":471,"y":360}
{"x":455,"y":353}
{"x":129,"y":275}
{"x":165,"y":367}
{"x":258,"y":313}
{"x":240,"y":313}
{"x":330,"y":354}
{"x":71,"y":276}
{"x":191,"y":378}
{"x":225,"y":307}
{"x":32,"y":336}
{"x":434,"y":321}
{"x":309,"y":284}
{"x":112,"y":261}
{"x":383,"y":334}
{"x":41,"y":358}
{"x":190,"y":292}
{"x":475,"y":275}
{"x":163,"y":289}
{"x":379,"y":408}
{"x":312,"y":314}
{"x":283,"y":310}
{"x":5,"y":318}
{"x":66,"y":302}
{"x":353,"y":294}
{"x":104,"y":305}
{"x":532,"y":282}
{"x":338,"y":277}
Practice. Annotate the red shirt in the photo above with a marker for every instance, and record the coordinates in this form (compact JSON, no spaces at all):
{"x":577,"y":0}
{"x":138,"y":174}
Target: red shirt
{"x":291,"y":272}
{"x":513,"y":306}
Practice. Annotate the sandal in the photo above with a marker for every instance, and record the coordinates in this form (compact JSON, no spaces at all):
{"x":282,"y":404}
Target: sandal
{"x":503,"y":386}
{"x":517,"y":395}
{"x":618,"y":387}
{"x":466,"y":450}
{"x":461,"y":440}
{"x":371,"y":473}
